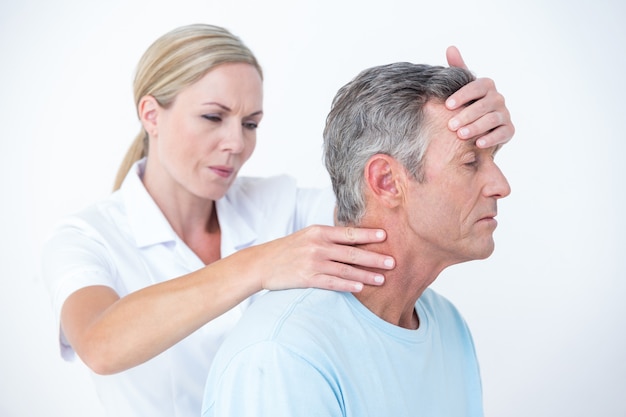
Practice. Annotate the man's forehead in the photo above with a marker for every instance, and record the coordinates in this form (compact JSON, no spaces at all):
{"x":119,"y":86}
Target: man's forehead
{"x":446,"y":140}
{"x":437,"y":118}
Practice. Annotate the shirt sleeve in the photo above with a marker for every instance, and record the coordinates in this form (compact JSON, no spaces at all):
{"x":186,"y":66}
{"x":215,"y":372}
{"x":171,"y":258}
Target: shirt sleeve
{"x":71,"y":259}
{"x":269,"y":380}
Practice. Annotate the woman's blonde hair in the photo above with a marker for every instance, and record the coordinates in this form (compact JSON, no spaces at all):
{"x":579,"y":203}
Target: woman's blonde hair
{"x":174,"y":61}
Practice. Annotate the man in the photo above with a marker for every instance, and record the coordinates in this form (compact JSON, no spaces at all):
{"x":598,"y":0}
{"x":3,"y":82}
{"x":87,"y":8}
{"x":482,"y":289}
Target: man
{"x":399,"y":349}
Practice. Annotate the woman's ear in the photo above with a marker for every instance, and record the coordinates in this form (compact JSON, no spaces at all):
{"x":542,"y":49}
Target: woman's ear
{"x":148,"y":110}
{"x":384,"y":177}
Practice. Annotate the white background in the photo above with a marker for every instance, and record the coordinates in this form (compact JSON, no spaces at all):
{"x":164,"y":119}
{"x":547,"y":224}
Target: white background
{"x":547,"y":309}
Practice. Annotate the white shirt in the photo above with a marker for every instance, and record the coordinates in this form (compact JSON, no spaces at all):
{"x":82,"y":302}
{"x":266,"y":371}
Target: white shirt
{"x":124,"y":242}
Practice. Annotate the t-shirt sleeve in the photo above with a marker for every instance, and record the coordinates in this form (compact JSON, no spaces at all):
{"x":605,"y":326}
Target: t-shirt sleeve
{"x":269,"y":380}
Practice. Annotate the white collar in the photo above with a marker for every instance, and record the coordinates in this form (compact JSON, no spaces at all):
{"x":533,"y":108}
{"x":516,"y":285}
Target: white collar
{"x":150,"y":226}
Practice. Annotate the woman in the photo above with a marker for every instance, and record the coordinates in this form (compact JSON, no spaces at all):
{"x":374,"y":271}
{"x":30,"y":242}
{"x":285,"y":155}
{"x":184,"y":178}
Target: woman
{"x":147,"y":283}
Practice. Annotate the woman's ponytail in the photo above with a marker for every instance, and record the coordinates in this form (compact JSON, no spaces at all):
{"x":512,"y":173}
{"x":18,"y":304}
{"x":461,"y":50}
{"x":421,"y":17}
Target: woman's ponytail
{"x":138,"y":149}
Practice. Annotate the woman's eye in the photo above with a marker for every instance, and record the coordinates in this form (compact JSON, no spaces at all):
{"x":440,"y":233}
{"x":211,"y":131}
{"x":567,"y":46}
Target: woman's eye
{"x":250,"y":125}
{"x":212,"y":117}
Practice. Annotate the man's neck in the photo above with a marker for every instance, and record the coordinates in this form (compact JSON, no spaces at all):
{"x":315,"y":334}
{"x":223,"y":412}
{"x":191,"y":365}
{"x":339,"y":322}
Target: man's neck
{"x":395,"y":300}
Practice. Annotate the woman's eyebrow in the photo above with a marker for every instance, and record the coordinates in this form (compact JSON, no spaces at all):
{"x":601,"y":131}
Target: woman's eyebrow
{"x":228,"y":109}
{"x":214,"y":103}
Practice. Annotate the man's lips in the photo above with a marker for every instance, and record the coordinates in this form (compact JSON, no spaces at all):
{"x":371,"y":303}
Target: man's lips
{"x":488,"y":217}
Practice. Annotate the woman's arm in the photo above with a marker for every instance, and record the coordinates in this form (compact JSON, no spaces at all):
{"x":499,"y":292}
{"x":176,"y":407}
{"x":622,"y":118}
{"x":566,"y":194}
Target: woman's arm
{"x":111,"y":334}
{"x":488,"y":115}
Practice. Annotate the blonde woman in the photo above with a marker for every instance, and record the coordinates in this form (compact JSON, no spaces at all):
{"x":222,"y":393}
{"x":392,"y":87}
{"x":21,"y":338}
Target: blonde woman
{"x":147,"y":283}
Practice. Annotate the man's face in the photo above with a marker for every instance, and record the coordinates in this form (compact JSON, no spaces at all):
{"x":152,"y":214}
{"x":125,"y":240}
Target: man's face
{"x":453,"y":210}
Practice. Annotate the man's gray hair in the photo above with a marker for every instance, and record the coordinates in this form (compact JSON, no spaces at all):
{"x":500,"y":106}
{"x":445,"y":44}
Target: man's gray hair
{"x":382,"y":111}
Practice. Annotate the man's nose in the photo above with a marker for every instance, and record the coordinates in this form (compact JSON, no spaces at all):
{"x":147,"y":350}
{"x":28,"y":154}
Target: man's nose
{"x":498,"y":186}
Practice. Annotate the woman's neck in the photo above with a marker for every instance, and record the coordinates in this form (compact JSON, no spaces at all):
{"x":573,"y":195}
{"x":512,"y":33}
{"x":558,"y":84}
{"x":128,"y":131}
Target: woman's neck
{"x":193,"y":219}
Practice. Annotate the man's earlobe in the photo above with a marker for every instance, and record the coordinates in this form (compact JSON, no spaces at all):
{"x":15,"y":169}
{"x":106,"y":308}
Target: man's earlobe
{"x":382,"y":176}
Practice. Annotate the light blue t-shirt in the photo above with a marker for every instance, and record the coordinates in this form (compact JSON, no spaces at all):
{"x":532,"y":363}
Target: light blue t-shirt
{"x":311,"y":352}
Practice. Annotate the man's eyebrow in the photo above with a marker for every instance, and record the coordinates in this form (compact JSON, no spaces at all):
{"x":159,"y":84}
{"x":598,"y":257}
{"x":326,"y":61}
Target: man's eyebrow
{"x":466,"y":146}
{"x":472,"y":142}
{"x":470,"y":146}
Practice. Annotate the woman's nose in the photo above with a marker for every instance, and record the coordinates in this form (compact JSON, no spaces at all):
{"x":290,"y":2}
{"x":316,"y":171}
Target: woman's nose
{"x":233,"y":140}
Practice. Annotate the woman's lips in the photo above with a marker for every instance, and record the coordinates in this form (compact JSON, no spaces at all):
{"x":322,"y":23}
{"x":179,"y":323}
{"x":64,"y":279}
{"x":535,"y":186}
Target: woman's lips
{"x":222,"y":171}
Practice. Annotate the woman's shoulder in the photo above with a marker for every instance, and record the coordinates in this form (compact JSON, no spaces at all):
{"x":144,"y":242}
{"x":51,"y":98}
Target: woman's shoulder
{"x":262,"y":191}
{"x":281,"y":197}
{"x":261,"y":185}
{"x":106,"y":214}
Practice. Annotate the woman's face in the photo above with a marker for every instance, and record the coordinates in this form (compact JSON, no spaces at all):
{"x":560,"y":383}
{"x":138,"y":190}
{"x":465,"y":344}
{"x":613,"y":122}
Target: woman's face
{"x":200,"y":142}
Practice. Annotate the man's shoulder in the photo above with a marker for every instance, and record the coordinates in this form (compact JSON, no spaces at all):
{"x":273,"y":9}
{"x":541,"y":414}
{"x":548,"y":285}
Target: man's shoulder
{"x":287,"y":317}
{"x":440,"y":310}
{"x":435,"y":299}
{"x":280,"y":308}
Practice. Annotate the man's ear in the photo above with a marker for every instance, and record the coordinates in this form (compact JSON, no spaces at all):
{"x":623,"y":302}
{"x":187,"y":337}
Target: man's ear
{"x":385,"y":177}
{"x":148,"y":110}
